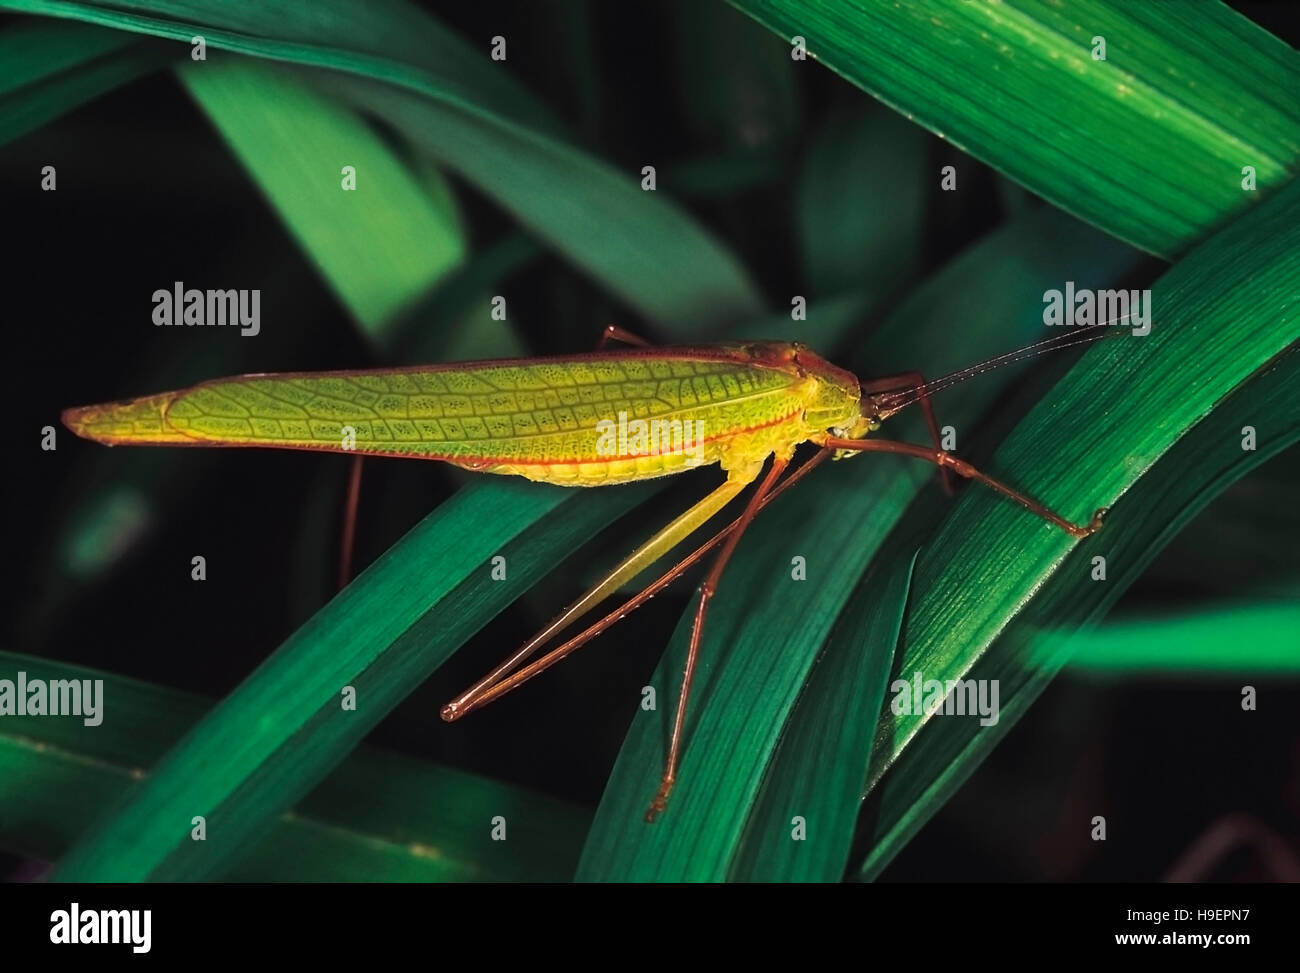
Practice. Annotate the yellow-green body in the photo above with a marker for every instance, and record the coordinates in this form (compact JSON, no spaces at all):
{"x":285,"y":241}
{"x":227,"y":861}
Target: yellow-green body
{"x":547,"y":419}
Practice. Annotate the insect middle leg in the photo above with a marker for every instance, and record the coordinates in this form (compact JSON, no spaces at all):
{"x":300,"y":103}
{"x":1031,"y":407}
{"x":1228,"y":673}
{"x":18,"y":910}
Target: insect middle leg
{"x":350,"y":504}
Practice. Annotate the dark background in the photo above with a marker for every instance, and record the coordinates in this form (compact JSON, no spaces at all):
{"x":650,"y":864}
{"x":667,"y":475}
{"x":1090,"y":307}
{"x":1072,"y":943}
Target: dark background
{"x":148,"y":194}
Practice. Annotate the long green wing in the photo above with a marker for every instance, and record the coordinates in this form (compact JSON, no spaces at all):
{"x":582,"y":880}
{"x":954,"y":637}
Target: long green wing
{"x":526,"y":411}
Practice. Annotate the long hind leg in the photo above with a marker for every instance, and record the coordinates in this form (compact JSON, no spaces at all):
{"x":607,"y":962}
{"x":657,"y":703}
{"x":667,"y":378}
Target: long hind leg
{"x":707,"y":588}
{"x":647,"y":554}
{"x":567,"y":648}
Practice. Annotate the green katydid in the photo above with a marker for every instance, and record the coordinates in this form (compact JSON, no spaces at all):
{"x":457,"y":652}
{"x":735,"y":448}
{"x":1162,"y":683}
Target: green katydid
{"x":606,"y":417}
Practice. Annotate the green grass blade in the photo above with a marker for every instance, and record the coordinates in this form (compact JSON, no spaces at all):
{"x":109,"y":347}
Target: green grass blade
{"x":1148,"y":145}
{"x":1254,"y":638}
{"x":765,"y":629}
{"x":271,"y":740}
{"x":1220,"y":313}
{"x":1223,"y":312}
{"x":861,"y":203}
{"x":383,"y":38}
{"x":819,"y":763}
{"x":646,"y":251}
{"x":379,"y":246}
{"x":454,"y":103}
{"x":1023,"y":659}
{"x":51,"y":68}
{"x":428,"y":331}
{"x":37,"y":51}
{"x":377,"y":817}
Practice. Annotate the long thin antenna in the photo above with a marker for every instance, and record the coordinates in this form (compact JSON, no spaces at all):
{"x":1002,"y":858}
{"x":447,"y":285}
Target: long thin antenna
{"x":888,"y":403}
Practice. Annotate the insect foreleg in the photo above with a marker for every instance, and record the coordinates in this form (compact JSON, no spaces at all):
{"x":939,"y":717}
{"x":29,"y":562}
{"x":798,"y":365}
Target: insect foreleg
{"x":962,"y":468}
{"x":913,"y":380}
